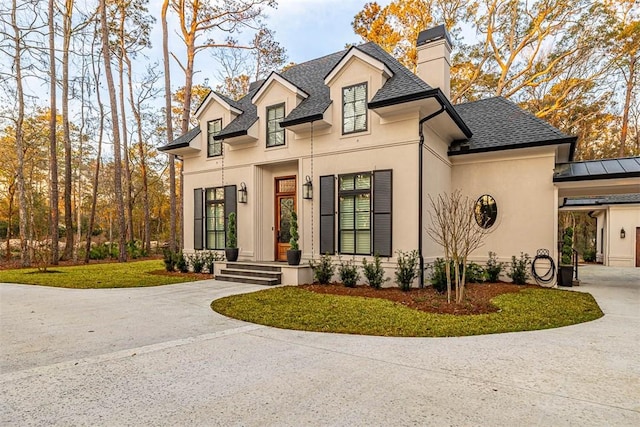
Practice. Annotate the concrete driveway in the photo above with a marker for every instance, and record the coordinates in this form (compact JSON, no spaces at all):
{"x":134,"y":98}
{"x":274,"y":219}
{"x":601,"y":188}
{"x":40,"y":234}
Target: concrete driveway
{"x":160,"y":356}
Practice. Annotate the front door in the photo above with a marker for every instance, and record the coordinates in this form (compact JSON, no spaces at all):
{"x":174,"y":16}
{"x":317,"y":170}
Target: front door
{"x":637,"y":246}
{"x":285,"y":201}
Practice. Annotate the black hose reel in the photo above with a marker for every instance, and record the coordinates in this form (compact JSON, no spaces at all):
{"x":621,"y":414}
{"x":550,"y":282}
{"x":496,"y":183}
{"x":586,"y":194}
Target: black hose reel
{"x":543,"y":268}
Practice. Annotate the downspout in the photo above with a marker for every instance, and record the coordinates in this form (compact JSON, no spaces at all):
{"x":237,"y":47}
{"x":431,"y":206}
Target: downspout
{"x":420,"y":178}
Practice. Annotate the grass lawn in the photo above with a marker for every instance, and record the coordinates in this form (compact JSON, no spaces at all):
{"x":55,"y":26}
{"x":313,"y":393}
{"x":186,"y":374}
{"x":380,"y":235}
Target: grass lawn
{"x":291,"y":307}
{"x":95,"y":276}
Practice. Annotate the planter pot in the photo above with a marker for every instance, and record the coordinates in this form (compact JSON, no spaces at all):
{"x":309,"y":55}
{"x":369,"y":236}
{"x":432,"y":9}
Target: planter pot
{"x":565,"y":277}
{"x":293,"y":257}
{"x":231,"y":254}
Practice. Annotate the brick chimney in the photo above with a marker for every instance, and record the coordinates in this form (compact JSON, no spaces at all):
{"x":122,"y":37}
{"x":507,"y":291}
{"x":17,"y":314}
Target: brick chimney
{"x":434,"y":58}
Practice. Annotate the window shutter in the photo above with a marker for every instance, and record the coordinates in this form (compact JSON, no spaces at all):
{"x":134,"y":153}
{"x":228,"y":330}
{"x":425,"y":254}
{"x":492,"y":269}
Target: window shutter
{"x":230,"y":205}
{"x":198,"y":214}
{"x":327,"y":214}
{"x":382,"y":206}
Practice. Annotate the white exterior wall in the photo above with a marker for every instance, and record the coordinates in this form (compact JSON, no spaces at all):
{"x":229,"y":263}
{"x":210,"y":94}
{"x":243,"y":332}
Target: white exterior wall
{"x":387,"y":144}
{"x":622,"y":252}
{"x":522,"y":184}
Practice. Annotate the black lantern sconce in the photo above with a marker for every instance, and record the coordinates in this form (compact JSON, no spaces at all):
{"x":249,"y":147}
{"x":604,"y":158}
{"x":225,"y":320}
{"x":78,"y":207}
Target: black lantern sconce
{"x":242,"y":193}
{"x":623,"y":234}
{"x":307,"y":188}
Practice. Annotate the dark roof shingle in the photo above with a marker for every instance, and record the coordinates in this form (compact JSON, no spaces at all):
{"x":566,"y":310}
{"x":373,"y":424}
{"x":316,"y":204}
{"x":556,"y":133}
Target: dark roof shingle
{"x":182,"y":141}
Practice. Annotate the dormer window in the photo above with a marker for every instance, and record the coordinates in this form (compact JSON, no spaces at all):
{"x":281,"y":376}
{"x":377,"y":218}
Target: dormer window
{"x":275,"y":134}
{"x":354,"y":108}
{"x":214,"y":148}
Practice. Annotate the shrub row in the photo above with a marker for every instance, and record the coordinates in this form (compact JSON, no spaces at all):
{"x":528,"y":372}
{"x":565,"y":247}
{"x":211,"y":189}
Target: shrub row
{"x":198,"y":262}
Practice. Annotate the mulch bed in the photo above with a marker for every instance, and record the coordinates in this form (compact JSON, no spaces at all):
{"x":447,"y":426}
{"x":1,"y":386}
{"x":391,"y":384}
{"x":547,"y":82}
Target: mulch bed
{"x":476,"y":301}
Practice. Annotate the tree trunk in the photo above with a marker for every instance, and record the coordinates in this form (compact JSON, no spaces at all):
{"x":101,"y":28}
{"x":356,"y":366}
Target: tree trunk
{"x":125,"y":133}
{"x":11,"y":191}
{"x":54,"y":215}
{"x":169,"y":122}
{"x":146,"y":235}
{"x":116,"y":133}
{"x":22,"y":199}
{"x":627,"y":104}
{"x":66,"y":132}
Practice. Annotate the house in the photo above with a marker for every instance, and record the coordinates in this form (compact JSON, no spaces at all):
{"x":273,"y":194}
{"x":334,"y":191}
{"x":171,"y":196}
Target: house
{"x":356,"y":144}
{"x":617,"y":239}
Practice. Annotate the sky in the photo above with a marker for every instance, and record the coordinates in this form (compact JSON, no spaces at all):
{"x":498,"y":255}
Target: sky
{"x":307,"y":29}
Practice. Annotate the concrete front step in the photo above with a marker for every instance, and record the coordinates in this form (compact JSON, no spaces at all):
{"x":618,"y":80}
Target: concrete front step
{"x":251,"y":273}
{"x":253,"y":266}
{"x":249,"y":279}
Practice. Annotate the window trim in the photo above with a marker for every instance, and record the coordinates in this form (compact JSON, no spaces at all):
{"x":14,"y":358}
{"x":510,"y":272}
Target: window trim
{"x":206,"y":204}
{"x":277,"y":123}
{"x":366,"y":113}
{"x":355,"y":192}
{"x":210,"y":139}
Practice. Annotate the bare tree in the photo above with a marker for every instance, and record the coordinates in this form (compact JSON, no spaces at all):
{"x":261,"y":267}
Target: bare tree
{"x":455,"y":227}
{"x":54,"y":214}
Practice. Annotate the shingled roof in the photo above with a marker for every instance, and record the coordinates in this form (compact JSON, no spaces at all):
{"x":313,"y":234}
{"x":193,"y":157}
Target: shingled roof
{"x":182,"y":141}
{"x":615,"y":199}
{"x":499,"y":124}
{"x":491,"y":124}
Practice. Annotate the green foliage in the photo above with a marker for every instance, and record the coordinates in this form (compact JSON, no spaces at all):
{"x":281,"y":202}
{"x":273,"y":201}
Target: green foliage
{"x":494,"y":268}
{"x":181,"y":263}
{"x":291,"y":307}
{"x":349,"y":275}
{"x":210,"y":258}
{"x":323,"y":269}
{"x":293,"y":230}
{"x":373,"y":272}
{"x":232,"y":241}
{"x":439,"y":275}
{"x":169,"y":258}
{"x":520,"y":269}
{"x":407,"y":269}
{"x":197,"y":262}
{"x":134,"y":249}
{"x":567,"y":246}
{"x":96,"y":276}
{"x":589,"y":255}
{"x":475,"y":273}
{"x":99,"y":251}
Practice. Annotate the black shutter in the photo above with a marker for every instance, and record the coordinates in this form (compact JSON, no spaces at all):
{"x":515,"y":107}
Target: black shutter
{"x":327,"y":214}
{"x":230,"y":205}
{"x":382,"y":206}
{"x":198,"y":214}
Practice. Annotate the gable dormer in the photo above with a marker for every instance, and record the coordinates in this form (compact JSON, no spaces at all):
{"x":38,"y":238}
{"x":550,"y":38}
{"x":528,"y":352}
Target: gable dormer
{"x":274,"y":100}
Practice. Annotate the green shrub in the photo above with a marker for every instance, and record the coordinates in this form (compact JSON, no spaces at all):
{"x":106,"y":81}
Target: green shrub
{"x":439,"y":275}
{"x":494,"y":268}
{"x":169,"y":258}
{"x":373,"y":272}
{"x":349,"y":273}
{"x":197,"y":262}
{"x":134,"y":249}
{"x":589,"y":255}
{"x":232,"y":241}
{"x":181,"y":263}
{"x":99,"y":251}
{"x":210,"y":258}
{"x":520,"y":269}
{"x":293,"y":231}
{"x":323,"y":269}
{"x":475,"y":273}
{"x":407,"y":269}
{"x":567,"y":246}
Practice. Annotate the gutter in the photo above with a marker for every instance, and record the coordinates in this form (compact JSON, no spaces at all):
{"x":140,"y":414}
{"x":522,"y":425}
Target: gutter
{"x":420,"y":185}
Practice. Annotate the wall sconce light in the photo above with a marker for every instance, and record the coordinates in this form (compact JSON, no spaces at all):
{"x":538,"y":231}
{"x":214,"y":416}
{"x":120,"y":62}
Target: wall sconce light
{"x":623,"y":234}
{"x":242,"y":193}
{"x":307,"y":188}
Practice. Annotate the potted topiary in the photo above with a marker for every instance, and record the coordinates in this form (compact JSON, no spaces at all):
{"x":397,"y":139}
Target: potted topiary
{"x":231,"y":251}
{"x":294,"y":253}
{"x":565,"y":277}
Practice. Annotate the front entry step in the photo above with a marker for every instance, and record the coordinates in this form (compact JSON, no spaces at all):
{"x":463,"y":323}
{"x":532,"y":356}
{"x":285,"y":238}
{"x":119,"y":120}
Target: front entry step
{"x":255,"y":274}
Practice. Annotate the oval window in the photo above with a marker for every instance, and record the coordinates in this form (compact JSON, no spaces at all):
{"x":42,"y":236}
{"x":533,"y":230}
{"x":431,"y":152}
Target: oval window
{"x":486,"y":211}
